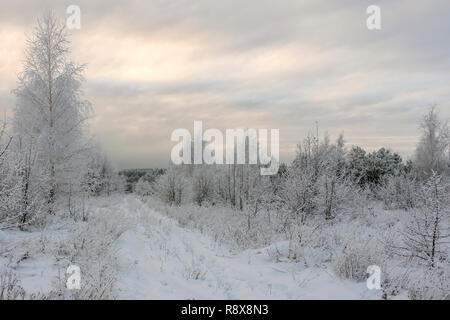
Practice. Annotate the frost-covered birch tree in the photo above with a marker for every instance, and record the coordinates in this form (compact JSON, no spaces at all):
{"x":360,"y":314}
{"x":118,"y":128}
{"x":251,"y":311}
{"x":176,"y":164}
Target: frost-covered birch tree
{"x":431,"y":153}
{"x":50,"y":113}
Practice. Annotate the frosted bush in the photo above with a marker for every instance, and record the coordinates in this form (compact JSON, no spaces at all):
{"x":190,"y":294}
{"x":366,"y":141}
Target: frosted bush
{"x":143,"y":188}
{"x":430,"y":284}
{"x":417,"y":283}
{"x":10,"y":288}
{"x":90,"y":247}
{"x":194,"y":271}
{"x":352,"y":263}
{"x":398,"y":192}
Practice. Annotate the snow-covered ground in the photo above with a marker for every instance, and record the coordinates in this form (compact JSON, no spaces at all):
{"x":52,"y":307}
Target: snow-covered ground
{"x":154,"y":258}
{"x":160,"y":260}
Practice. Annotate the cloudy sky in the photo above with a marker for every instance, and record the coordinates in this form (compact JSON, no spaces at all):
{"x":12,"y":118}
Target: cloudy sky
{"x":157,"y":65}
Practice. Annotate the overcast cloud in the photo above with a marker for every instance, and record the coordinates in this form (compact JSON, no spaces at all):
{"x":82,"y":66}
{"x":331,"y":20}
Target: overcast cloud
{"x":154,"y":66}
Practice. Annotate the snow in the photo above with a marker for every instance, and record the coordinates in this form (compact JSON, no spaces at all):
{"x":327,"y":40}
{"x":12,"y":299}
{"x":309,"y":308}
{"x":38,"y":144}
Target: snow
{"x":3,"y":237}
{"x":160,"y":260}
{"x":22,"y":252}
{"x":155,"y":258}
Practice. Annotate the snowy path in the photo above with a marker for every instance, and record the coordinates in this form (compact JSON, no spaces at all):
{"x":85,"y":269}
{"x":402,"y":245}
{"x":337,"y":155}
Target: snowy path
{"x":159,"y":260}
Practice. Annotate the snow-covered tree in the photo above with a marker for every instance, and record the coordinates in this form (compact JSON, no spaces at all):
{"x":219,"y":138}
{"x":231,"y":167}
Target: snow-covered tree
{"x":316,"y":182}
{"x":50,"y":114}
{"x":202,"y":184}
{"x":357,"y":165}
{"x":299,"y":193}
{"x":381,"y":163}
{"x":431,"y":153}
{"x":427,"y":234}
{"x":5,"y":141}
{"x":143,"y":187}
{"x":20,"y":189}
{"x":101,"y":176}
{"x":399,"y":191}
{"x":173,"y":185}
{"x":369,"y":169}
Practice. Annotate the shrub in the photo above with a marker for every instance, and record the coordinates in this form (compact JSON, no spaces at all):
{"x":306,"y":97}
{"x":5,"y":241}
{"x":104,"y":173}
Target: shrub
{"x":352,"y":263}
